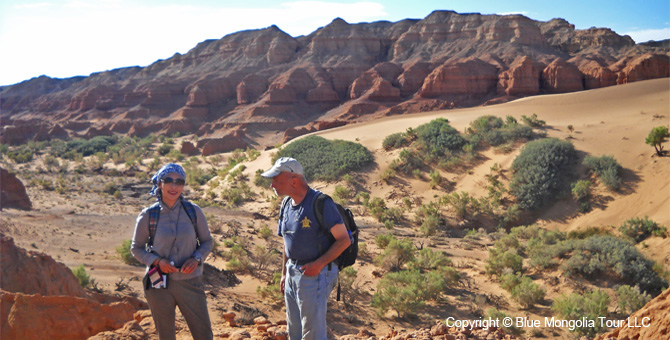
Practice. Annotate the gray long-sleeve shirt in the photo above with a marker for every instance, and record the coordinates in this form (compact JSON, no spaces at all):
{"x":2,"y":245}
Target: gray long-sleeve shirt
{"x":175,"y":238}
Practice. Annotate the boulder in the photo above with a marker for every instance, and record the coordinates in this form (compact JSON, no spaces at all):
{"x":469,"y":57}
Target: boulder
{"x":14,"y":195}
{"x":187,"y":148}
{"x":231,"y":141}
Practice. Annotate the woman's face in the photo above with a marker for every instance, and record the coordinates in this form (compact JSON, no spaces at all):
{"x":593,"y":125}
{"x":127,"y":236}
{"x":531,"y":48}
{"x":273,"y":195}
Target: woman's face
{"x":171,"y":187}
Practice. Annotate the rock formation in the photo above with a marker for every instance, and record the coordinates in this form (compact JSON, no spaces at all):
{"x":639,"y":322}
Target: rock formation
{"x":13,"y":192}
{"x":41,"y":299}
{"x":240,"y":90}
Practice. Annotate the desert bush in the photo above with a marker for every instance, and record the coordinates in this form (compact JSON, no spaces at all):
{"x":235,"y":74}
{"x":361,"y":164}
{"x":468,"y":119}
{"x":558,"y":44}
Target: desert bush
{"x":406,"y":291}
{"x":639,"y":229}
{"x":260,"y":181}
{"x":395,"y":141}
{"x":657,"y":137}
{"x":430,"y":225}
{"x":461,"y":202}
{"x":437,"y":136}
{"x":607,"y":255}
{"x":20,"y":155}
{"x":81,"y":275}
{"x":346,"y":280}
{"x":501,"y":260}
{"x":523,"y":290}
{"x":239,"y":259}
{"x":327,"y":160}
{"x":266,"y":233}
{"x":533,"y":121}
{"x":591,"y":305}
{"x":428,"y":259}
{"x":540,"y":172}
{"x":383,"y":240}
{"x":630,"y":299}
{"x":581,"y":190}
{"x":396,"y":254}
{"x":341,"y":194}
{"x":124,"y":253}
{"x":273,"y":290}
{"x":606,"y":168}
{"x":435,"y":179}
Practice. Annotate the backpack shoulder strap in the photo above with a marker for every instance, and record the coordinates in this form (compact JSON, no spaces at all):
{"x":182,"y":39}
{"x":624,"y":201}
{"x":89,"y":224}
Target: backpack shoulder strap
{"x":190,"y":211}
{"x":154,"y":212}
{"x":284,"y":203}
{"x":319,"y":204}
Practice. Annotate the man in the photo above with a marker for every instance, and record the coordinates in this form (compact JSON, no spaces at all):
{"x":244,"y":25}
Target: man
{"x":308,"y":274}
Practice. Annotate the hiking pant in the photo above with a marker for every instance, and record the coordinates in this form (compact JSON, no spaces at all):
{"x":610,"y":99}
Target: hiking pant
{"x":190,"y":296}
{"x":306,"y":300}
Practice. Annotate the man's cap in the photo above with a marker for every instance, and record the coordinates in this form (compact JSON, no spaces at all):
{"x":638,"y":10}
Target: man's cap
{"x":284,"y":164}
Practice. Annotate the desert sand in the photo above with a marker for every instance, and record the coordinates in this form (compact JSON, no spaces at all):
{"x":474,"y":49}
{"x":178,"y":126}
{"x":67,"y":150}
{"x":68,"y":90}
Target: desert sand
{"x":85,"y":228}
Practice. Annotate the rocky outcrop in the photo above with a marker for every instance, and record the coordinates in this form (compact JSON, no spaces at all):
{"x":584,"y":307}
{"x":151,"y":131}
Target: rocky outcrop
{"x":14,"y":194}
{"x":267,"y":80}
{"x":655,"y":314}
{"x":35,"y":287}
{"x":229,"y":142}
{"x":561,"y":77}
{"x":472,"y":77}
{"x":522,"y":78}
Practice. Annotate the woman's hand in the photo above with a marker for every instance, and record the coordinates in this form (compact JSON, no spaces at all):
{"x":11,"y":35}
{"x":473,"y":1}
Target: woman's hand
{"x":189,"y":266}
{"x":165,"y":267}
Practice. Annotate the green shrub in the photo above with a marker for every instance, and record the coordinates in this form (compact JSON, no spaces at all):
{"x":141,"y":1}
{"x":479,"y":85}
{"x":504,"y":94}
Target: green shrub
{"x":606,"y":168}
{"x":631,"y":299}
{"x":346,"y":280}
{"x":124,"y":253}
{"x":21,"y":155}
{"x":607,"y":255}
{"x":501,"y":260}
{"x":430,"y":225}
{"x":406,"y":291}
{"x":461,"y":202}
{"x":527,"y":293}
{"x":533,"y":121}
{"x":437,"y":136}
{"x":581,"y":190}
{"x":435,"y":179}
{"x":395,"y":141}
{"x":327,"y":160}
{"x":495,"y":314}
{"x":640,"y":229}
{"x":428,"y":259}
{"x":83,"y":278}
{"x":657,"y":137}
{"x":396,"y":254}
{"x":260,"y":181}
{"x":341,"y":194}
{"x":540,"y":172}
{"x":591,"y":305}
{"x":383,"y":240}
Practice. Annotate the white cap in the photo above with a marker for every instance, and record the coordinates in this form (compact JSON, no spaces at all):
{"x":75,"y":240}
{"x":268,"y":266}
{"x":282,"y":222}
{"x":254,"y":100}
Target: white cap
{"x":284,"y":164}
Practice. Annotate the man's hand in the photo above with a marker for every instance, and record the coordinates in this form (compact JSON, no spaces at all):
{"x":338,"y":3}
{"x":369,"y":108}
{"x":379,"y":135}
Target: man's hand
{"x":311,"y":269}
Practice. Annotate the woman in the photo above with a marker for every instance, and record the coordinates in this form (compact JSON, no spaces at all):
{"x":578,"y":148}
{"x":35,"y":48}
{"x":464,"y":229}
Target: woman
{"x":172,"y":236}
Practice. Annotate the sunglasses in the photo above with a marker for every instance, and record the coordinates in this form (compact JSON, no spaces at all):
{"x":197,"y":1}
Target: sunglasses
{"x":177,"y":182}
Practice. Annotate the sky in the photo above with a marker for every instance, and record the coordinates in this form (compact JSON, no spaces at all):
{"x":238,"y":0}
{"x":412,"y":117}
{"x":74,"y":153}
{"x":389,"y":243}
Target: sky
{"x":66,"y":38}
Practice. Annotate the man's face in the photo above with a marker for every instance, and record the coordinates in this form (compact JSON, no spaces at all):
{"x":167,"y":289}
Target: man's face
{"x":281,"y":183}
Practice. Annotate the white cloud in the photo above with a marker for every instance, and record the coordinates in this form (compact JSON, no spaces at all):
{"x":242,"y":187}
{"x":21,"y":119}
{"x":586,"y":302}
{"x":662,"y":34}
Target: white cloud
{"x":641,"y":36}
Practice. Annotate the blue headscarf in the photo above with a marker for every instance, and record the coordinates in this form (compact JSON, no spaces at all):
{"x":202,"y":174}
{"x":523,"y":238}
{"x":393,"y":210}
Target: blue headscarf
{"x":166,"y":169}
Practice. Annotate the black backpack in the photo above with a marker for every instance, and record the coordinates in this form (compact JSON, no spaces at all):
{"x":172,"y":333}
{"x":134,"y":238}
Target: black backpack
{"x":349,"y":255}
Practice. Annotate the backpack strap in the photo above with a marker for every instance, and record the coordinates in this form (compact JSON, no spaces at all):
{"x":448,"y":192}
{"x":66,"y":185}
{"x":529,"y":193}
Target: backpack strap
{"x":319,"y":203}
{"x":154,"y":212}
{"x":193,"y":216}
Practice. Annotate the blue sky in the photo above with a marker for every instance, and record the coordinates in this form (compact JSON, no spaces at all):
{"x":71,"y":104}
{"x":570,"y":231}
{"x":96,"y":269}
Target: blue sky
{"x":65,"y":38}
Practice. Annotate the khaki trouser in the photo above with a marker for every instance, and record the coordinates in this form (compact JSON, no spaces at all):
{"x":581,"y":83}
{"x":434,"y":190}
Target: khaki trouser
{"x":190,"y":296}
